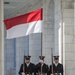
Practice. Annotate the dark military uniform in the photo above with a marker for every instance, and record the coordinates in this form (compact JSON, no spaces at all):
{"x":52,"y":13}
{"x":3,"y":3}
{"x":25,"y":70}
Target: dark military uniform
{"x":57,"y":69}
{"x":28,"y":69}
{"x":44,"y":67}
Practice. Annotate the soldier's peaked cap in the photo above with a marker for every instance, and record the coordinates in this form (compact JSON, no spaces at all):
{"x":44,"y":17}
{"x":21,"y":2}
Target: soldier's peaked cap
{"x":27,"y":57}
{"x":56,"y":57}
{"x":42,"y":57}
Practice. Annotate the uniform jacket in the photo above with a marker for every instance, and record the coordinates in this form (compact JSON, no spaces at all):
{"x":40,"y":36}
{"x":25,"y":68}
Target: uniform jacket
{"x":28,"y":69}
{"x":44,"y":68}
{"x":56,"y":69}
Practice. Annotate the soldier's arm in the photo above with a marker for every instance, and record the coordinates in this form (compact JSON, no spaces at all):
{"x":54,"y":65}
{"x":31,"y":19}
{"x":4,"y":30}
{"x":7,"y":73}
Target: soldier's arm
{"x":49,"y":70}
{"x":61,"y":69}
{"x":21,"y":69}
{"x":34,"y":69}
{"x":37,"y":66}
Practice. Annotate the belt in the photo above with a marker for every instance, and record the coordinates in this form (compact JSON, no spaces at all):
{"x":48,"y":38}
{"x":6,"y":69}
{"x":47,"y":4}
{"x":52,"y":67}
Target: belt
{"x":28,"y":74}
{"x":42,"y":73}
{"x":57,"y":73}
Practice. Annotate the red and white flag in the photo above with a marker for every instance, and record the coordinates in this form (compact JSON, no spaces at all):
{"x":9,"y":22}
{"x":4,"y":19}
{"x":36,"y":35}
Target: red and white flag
{"x":24,"y":25}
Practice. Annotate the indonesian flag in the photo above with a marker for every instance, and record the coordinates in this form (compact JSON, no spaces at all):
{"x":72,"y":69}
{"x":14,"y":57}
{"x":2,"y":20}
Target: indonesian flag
{"x":24,"y":25}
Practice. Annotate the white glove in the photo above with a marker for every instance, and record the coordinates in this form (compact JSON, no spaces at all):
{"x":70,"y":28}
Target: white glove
{"x":23,"y":73}
{"x":41,"y":61}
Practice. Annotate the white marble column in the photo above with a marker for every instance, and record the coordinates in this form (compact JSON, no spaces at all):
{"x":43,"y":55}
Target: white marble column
{"x":64,"y":16}
{"x":58,"y":29}
{"x":1,"y":39}
{"x":68,"y":37}
{"x":48,"y":29}
{"x":74,"y":35}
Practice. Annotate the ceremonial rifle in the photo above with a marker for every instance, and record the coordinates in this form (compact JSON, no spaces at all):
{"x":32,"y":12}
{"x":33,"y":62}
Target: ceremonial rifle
{"x":52,"y":61}
{"x":24,"y":64}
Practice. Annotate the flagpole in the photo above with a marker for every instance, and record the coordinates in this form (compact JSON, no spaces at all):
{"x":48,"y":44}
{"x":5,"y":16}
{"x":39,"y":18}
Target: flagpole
{"x":24,"y":64}
{"x":41,"y":54}
{"x":41,"y":41}
{"x":52,"y":60}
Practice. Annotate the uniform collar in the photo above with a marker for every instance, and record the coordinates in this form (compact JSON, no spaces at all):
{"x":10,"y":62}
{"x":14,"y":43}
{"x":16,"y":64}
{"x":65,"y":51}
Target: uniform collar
{"x":27,"y":64}
{"x":55,"y":64}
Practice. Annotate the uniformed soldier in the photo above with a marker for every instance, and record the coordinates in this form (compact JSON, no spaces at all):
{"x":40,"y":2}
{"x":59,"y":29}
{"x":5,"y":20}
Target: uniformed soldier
{"x":41,"y":67}
{"x":28,"y":68}
{"x":57,"y":68}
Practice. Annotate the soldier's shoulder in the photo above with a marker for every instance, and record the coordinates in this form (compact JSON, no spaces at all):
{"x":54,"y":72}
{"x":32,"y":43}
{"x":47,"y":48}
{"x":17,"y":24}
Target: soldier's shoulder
{"x":21,"y":65}
{"x":60,"y":64}
{"x":50,"y":65}
{"x":32,"y":63}
{"x":45,"y":64}
{"x":38,"y":64}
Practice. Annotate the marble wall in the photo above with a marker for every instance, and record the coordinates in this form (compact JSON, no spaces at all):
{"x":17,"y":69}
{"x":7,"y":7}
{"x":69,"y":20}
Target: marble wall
{"x":68,"y":36}
{"x":21,"y":49}
{"x":64,"y":34}
{"x":9,"y":56}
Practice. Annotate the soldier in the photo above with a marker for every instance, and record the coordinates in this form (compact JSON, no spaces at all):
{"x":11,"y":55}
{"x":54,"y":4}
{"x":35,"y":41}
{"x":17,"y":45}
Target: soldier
{"x":57,"y":68}
{"x":28,"y":68}
{"x":41,"y":65}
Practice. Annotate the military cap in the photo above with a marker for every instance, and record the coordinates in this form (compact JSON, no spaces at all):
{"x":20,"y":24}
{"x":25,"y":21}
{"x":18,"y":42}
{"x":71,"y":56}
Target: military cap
{"x":27,"y":57}
{"x":56,"y":57}
{"x":42,"y":57}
